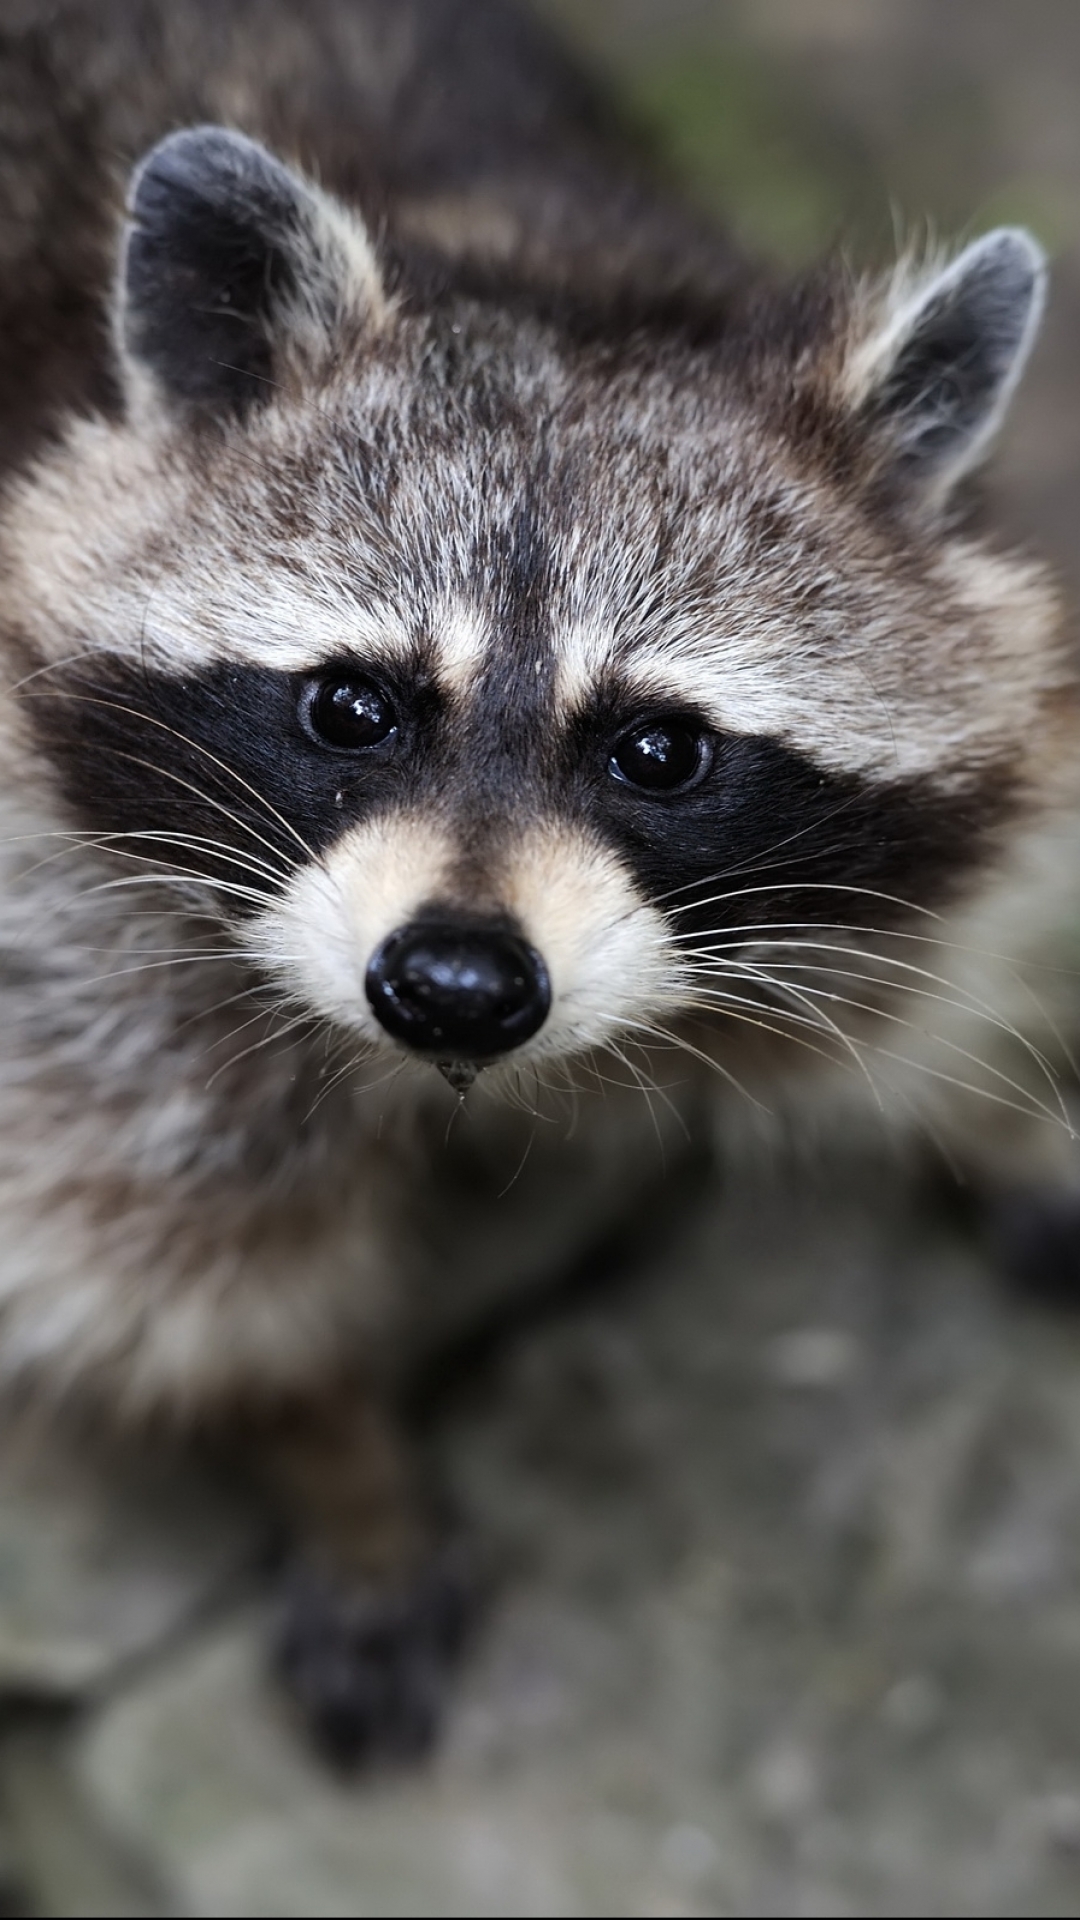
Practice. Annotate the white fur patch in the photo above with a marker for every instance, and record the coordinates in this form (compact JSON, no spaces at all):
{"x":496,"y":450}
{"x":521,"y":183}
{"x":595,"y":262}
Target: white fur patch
{"x":582,"y":650}
{"x":461,"y":636}
{"x":880,"y":702}
{"x":342,"y":249}
{"x":606,"y":950}
{"x":335,"y":913}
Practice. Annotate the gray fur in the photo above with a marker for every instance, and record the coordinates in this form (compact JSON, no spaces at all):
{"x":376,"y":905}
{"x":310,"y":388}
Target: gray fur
{"x":555,"y":440}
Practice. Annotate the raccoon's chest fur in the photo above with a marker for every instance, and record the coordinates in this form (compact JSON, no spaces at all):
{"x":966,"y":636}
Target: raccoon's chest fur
{"x":459,"y":626}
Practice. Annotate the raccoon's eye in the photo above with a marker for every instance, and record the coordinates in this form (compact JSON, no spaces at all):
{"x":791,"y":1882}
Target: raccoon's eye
{"x":348,"y":712}
{"x":661,"y":756}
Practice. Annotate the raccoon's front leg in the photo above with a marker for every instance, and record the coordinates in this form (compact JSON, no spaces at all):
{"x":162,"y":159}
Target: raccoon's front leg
{"x":1021,"y":1190}
{"x":375,"y":1607}
{"x":1033,"y":1235}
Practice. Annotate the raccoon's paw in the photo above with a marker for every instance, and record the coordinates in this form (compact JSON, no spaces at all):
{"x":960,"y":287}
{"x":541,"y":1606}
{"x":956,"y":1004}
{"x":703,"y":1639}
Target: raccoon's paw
{"x":369,"y":1665}
{"x":1035,"y":1238}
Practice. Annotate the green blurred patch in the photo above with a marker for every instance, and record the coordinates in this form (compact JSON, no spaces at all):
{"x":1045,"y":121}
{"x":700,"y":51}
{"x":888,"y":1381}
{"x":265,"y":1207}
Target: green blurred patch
{"x":791,"y":164}
{"x":747,"y":149}
{"x":1044,"y":205}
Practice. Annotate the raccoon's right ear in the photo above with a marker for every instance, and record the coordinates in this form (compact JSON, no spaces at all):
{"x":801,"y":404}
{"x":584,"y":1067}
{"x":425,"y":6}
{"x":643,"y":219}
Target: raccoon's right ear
{"x":235,"y":268}
{"x":942,"y":352}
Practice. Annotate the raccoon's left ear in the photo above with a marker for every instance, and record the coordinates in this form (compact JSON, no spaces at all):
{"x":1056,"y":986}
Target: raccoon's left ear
{"x":233,"y":267}
{"x":933,"y":375}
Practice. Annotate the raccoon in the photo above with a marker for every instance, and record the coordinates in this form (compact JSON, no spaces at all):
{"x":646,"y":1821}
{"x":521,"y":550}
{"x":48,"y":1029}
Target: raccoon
{"x":495,"y":686}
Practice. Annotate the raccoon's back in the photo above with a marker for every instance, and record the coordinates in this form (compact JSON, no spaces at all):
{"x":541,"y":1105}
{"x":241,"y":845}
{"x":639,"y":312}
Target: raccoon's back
{"x":459,"y":126}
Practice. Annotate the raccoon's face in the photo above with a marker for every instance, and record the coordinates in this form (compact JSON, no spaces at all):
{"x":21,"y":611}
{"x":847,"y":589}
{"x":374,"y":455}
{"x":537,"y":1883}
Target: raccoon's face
{"x":494,"y":676}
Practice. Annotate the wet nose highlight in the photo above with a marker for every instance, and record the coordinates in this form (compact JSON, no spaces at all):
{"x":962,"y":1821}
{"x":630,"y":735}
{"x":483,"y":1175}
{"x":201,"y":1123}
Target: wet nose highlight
{"x":465,"y":993}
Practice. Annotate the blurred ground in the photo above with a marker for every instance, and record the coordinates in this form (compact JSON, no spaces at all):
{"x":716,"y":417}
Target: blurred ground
{"x":787,"y":1530}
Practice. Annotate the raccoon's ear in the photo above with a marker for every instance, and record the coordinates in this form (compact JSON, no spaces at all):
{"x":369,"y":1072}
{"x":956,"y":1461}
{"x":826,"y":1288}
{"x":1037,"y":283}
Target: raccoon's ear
{"x":232,"y":265}
{"x":931,"y":382}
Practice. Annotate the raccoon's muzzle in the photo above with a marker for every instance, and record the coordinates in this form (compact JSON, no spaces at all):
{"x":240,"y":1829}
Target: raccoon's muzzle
{"x":460,"y":993}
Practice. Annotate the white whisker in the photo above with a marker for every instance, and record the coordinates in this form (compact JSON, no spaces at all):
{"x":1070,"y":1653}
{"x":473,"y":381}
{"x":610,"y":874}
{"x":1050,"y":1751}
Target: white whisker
{"x":135,"y":713}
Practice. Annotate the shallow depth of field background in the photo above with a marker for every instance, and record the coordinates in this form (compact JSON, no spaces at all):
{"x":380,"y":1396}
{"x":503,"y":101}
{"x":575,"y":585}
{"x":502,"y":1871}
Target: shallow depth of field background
{"x":808,"y":123}
{"x":784,"y":1532}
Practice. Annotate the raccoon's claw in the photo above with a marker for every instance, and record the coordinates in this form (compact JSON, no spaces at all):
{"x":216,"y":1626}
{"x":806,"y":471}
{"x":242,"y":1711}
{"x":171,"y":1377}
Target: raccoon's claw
{"x":368,"y":1665}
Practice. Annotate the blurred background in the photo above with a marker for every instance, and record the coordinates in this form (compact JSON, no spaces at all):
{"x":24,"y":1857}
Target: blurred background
{"x":785,"y":1527}
{"x":812,"y":123}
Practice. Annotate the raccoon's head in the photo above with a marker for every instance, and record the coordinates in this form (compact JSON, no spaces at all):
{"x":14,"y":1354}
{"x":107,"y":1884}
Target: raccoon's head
{"x":496,"y":669}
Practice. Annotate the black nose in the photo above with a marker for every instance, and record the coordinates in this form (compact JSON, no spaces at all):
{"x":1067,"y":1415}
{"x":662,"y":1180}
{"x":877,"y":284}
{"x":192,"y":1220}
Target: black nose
{"x":465,"y":993}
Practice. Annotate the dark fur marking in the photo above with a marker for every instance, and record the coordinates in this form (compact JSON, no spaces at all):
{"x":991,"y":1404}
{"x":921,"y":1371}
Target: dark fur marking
{"x":509,"y":711}
{"x":221,"y":755}
{"x":210,"y":257}
{"x":152,"y":754}
{"x":1034,"y":1236}
{"x":766,"y":817}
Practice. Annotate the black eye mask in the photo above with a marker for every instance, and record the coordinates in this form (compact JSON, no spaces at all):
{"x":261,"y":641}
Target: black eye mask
{"x":241,"y":773}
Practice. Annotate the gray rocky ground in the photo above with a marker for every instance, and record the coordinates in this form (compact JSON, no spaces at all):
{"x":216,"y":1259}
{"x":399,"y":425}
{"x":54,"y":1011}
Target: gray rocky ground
{"x":785,"y":1531}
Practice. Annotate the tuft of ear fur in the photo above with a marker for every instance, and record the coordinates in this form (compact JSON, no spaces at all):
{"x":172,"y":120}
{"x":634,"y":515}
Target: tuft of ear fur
{"x":232,"y":264}
{"x":935,"y":370}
